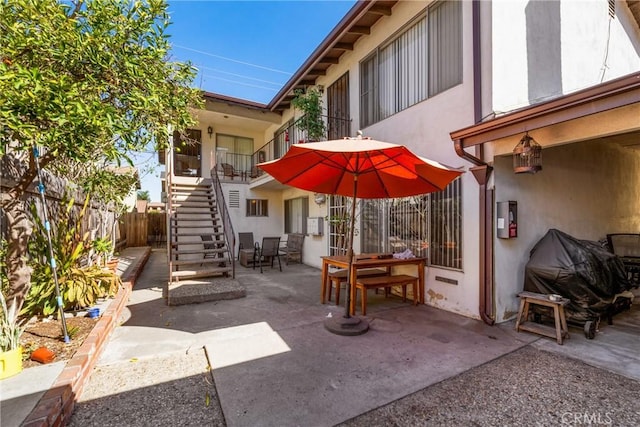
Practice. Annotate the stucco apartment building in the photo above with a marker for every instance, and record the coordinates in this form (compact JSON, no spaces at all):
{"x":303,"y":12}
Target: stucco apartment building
{"x":460,"y":82}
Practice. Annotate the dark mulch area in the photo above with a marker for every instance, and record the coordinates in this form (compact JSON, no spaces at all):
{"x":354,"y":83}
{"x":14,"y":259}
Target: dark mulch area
{"x":48,"y":333}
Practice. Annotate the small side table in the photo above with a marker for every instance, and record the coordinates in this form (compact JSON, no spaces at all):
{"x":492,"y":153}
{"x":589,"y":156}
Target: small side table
{"x":560,"y":332}
{"x":246,"y":257}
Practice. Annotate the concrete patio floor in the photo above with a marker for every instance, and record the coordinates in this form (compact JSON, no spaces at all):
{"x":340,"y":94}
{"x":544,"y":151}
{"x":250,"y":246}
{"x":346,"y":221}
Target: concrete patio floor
{"x":266,"y":359}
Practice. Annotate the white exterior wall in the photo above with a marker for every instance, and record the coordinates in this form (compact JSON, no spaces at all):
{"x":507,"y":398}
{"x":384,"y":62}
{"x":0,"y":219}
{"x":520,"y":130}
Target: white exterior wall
{"x":544,"y":49}
{"x":270,"y":226}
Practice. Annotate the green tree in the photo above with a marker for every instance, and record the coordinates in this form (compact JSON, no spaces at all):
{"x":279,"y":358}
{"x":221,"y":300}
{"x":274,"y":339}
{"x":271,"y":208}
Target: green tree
{"x":86,"y":82}
{"x":310,"y":103}
{"x":143,"y":195}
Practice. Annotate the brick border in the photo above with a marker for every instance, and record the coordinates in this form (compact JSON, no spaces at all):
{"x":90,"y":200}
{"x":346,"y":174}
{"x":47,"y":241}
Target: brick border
{"x":56,"y":406}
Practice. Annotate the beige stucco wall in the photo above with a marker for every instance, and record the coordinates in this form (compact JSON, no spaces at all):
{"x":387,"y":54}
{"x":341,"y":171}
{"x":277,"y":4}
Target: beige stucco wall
{"x":585,"y":189}
{"x":424,"y":128}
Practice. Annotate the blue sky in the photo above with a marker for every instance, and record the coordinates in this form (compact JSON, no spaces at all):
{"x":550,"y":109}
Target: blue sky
{"x":244,"y":49}
{"x":249,"y":49}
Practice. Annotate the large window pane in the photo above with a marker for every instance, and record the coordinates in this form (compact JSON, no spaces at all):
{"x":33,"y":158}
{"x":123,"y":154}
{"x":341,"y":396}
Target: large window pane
{"x":296,"y":212}
{"x":237,"y":151}
{"x":445,"y":46}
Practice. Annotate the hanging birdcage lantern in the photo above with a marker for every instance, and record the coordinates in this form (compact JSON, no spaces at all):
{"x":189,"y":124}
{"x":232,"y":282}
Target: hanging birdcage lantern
{"x":527,"y":155}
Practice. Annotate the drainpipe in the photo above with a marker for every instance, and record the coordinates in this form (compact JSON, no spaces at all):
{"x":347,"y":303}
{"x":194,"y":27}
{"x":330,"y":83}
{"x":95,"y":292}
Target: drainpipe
{"x":481,"y":171}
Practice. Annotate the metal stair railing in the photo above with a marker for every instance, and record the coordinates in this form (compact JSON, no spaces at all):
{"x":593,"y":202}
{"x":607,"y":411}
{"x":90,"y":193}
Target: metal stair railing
{"x":227,"y":225}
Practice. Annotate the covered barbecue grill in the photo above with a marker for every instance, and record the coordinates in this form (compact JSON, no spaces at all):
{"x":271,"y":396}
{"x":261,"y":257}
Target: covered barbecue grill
{"x":580,"y":270}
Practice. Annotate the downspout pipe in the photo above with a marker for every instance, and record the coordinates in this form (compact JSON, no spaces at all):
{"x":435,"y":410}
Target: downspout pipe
{"x":481,"y":172}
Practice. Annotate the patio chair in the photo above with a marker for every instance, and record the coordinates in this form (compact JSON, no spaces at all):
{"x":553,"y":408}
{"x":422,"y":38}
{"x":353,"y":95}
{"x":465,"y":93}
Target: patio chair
{"x":245,"y":241}
{"x":269,"y":250}
{"x":293,"y":248}
{"x":229,"y":170}
{"x":247,"y":249}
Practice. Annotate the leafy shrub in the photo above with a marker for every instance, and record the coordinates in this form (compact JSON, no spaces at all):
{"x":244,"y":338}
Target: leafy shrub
{"x":79,"y":286}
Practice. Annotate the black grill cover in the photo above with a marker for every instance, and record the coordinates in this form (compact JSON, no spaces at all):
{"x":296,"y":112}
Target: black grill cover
{"x":581,"y":270}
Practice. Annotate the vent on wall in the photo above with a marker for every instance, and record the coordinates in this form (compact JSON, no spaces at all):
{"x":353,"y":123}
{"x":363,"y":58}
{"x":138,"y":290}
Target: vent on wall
{"x":612,"y":8}
{"x":234,"y":199}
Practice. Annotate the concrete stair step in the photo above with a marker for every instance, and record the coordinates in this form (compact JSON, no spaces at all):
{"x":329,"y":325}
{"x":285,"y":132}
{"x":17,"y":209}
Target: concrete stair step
{"x":197,"y":291}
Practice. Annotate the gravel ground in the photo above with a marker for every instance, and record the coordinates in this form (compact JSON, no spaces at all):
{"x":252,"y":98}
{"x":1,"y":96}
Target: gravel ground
{"x":528,"y":387}
{"x":166,"y":390}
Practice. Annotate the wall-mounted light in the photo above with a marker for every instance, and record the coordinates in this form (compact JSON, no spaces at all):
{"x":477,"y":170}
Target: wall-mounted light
{"x":319,"y":198}
{"x":527,"y":155}
{"x":210,"y":131}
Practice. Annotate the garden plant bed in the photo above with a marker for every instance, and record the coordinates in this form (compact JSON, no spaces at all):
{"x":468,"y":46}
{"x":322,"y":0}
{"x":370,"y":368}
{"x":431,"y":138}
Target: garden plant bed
{"x":48,"y":333}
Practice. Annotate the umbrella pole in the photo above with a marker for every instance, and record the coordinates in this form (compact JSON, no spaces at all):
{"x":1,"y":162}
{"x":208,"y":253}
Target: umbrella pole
{"x":347,"y":324}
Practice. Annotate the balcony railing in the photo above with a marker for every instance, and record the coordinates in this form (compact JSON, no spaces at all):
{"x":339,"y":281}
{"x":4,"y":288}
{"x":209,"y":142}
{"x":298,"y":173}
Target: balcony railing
{"x":242,"y":167}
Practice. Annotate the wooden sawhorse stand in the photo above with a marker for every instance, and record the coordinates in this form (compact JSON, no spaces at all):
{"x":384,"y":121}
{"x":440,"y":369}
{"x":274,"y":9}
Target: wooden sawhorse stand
{"x":560,"y":332}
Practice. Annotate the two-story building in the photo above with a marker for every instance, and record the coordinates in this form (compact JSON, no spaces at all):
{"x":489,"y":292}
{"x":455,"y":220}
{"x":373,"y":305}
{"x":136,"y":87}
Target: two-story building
{"x":461,"y":83}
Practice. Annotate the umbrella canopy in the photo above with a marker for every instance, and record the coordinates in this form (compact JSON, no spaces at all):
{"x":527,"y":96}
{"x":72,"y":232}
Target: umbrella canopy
{"x":383,"y":170}
{"x":359,"y":168}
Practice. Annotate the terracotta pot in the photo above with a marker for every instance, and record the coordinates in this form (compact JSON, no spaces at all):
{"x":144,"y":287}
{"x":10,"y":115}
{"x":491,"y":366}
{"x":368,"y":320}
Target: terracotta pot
{"x":10,"y":362}
{"x":112,"y":264}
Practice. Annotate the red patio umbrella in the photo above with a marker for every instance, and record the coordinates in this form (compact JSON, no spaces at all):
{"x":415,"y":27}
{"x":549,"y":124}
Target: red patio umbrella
{"x":359,"y":168}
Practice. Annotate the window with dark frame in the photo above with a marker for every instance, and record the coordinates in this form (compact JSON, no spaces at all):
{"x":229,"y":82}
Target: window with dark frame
{"x":422,"y":61}
{"x":257,"y":207}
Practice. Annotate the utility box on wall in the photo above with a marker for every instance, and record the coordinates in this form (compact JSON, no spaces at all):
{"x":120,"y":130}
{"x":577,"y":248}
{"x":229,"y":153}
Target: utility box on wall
{"x":314,"y":226}
{"x":507,"y":224}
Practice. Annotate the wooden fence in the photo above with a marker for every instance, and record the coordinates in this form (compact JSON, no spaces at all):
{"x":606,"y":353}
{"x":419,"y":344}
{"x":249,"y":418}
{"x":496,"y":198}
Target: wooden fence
{"x":143,"y":229}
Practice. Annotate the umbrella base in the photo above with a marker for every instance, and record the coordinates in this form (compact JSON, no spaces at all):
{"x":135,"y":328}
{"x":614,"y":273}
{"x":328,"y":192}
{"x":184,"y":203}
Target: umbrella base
{"x":347,"y":326}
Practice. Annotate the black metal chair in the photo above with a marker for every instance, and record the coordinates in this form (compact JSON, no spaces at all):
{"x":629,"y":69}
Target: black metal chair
{"x":293,"y":249}
{"x":245,"y":241}
{"x":269,"y":250}
{"x":229,"y":171}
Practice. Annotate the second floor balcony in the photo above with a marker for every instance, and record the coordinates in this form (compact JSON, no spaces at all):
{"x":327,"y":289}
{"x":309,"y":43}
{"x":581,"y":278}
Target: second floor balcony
{"x":242,"y":167}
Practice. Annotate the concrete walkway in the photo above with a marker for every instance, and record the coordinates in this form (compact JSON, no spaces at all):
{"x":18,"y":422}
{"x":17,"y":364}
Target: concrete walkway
{"x":266,"y":359}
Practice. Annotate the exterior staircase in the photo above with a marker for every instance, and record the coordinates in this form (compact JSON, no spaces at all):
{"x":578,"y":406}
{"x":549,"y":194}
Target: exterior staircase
{"x":198,"y":246}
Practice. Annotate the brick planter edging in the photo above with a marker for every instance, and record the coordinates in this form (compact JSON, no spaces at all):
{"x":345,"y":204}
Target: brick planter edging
{"x":56,"y":406}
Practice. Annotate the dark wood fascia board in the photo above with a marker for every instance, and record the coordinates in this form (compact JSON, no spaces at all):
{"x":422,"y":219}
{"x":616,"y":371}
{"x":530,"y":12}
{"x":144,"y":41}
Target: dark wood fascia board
{"x":596,"y":99}
{"x":359,"y":29}
{"x":343,"y":46}
{"x":381,"y":10}
{"x":327,"y":60}
{"x":307,"y":82}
